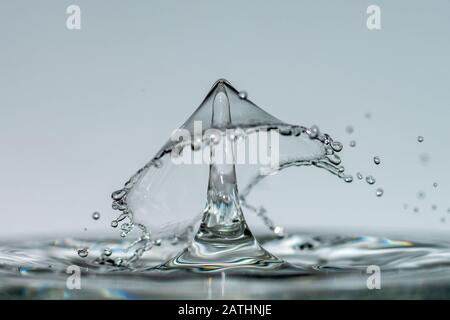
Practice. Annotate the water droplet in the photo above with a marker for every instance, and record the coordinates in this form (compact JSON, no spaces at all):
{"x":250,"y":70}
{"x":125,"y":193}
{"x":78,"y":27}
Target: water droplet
{"x":421,"y":195}
{"x":379,"y":192}
{"x":196,"y":144}
{"x":370,"y":180}
{"x":96,"y":215}
{"x":435,"y":184}
{"x":420,"y":139}
{"x":376,"y":160}
{"x":118,"y":262}
{"x":448,"y":210}
{"x":314,"y":132}
{"x":279,"y":231}
{"x":83,"y":253}
{"x":157,"y":242}
{"x":368,"y":115}
{"x":349,"y":129}
{"x":433,"y":207}
{"x":352,"y":143}
{"x":114,"y":223}
{"x":359,"y":176}
{"x":214,"y":138}
{"x":424,"y":158}
{"x":243,"y":94}
{"x":405,"y":206}
{"x":337,"y":146}
{"x":416,"y":209}
{"x":348,"y":178}
{"x":119,"y":194}
{"x":334,"y":159}
{"x":443,"y":220}
{"x":107,"y":252}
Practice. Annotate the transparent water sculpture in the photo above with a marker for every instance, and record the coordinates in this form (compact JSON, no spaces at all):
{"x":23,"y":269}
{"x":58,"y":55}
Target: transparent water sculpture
{"x":190,"y":191}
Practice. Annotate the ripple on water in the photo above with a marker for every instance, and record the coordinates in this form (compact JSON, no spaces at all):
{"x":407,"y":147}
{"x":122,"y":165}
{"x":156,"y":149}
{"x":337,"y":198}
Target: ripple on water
{"x":339,"y":262}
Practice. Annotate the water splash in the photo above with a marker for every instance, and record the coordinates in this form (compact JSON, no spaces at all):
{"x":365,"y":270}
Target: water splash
{"x":193,"y":232}
{"x":141,"y":201}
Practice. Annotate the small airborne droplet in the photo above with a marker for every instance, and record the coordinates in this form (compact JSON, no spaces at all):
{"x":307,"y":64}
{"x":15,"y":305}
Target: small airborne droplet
{"x":433,"y":207}
{"x":405,"y":206}
{"x":376,"y":160}
{"x":368,"y":115}
{"x":421,"y":195}
{"x":349,"y":129}
{"x":352,"y":143}
{"x":359,"y":176}
{"x":424,"y":158}
{"x":435,"y":184}
{"x":114,"y":223}
{"x":379,"y":192}
{"x":83,"y":253}
{"x":96,"y":215}
{"x":416,"y":209}
{"x":243,"y":94}
{"x":370,"y":180}
{"x":348,"y":178}
{"x":420,"y":139}
{"x":107,"y":252}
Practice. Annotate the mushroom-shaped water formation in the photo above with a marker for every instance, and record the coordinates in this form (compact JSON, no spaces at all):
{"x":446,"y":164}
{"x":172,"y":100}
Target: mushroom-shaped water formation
{"x":209,"y":154}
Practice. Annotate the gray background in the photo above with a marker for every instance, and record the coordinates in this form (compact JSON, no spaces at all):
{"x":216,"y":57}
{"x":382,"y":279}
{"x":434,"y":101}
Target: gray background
{"x":80,"y":111}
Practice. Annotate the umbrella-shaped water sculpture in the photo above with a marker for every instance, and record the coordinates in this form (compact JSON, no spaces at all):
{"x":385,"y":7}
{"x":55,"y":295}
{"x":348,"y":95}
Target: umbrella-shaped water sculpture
{"x":202,"y":163}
